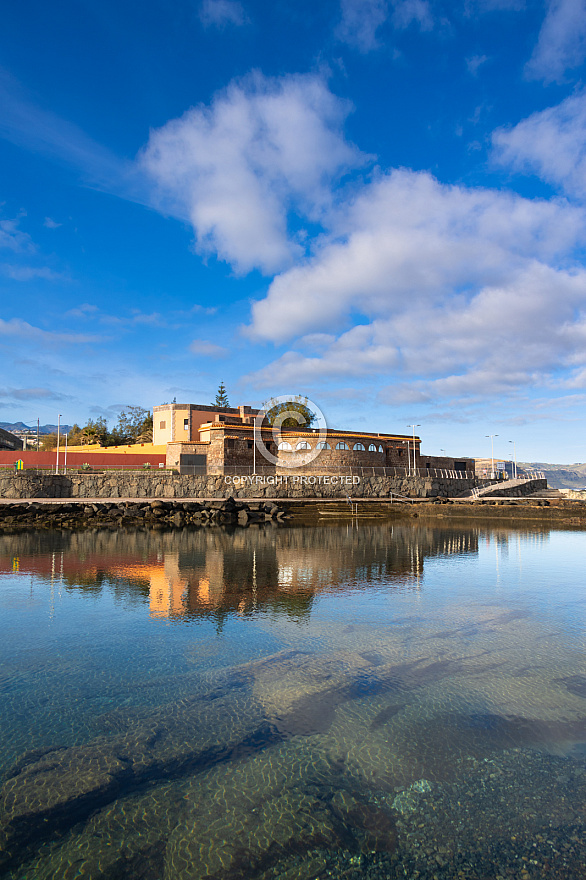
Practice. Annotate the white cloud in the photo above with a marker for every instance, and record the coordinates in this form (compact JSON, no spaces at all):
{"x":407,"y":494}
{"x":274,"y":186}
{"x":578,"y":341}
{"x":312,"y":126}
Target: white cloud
{"x":473,"y":7}
{"x":51,"y":224}
{"x":491,"y":343}
{"x":408,"y":12}
{"x":475,"y":62}
{"x":364,"y":350}
{"x":219,"y":13}
{"x":408,"y":237}
{"x":85,"y":310}
{"x":236,"y":168}
{"x":32,"y":394}
{"x":361,"y":19}
{"x":550,"y":144}
{"x":29,"y":273}
{"x":12,"y":238}
{"x":21,"y":330}
{"x":562,"y":41}
{"x":360,"y":22}
{"x":207,"y":349}
{"x":467,"y":292}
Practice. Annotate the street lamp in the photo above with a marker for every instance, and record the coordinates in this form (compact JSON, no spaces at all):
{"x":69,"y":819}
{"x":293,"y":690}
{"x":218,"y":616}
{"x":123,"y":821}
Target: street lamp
{"x":58,"y":431}
{"x":492,"y":436}
{"x":514,"y":456}
{"x":412,"y":426}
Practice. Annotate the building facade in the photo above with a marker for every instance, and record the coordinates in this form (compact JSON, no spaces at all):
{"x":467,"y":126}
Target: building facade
{"x":181,"y":422}
{"x":210,"y":440}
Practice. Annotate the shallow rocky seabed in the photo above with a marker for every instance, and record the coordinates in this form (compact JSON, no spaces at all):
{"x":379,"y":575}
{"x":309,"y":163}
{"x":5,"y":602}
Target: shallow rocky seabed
{"x":435,"y":742}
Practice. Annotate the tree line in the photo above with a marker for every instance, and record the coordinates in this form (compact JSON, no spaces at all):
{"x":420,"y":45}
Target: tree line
{"x":135,"y":425}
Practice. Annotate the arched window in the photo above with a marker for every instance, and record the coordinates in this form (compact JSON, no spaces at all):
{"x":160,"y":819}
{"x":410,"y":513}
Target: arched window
{"x":323,"y":445}
{"x":372,"y":447}
{"x":359,"y":447}
{"x":380,"y":449}
{"x":303,"y":444}
{"x":284,"y":446}
{"x":341,"y":445}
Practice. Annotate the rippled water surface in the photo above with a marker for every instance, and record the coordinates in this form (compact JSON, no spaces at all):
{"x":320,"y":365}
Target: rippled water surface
{"x":346,"y":701}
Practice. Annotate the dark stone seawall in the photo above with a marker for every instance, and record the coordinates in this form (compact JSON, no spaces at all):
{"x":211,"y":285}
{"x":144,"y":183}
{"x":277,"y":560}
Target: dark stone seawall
{"x":141,"y":485}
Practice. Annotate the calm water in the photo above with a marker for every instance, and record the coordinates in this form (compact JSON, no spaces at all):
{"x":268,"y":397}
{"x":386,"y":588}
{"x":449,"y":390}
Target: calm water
{"x":367,"y":701}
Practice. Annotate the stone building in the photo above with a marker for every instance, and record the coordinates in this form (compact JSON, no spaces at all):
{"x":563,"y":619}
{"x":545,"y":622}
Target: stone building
{"x":209,"y":440}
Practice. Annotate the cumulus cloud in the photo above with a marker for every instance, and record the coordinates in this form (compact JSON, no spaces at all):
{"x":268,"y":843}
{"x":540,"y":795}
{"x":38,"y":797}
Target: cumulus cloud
{"x":406,"y":237}
{"x":219,"y":13}
{"x":362,"y":351}
{"x":561,"y":45}
{"x":550,"y":144}
{"x":466,"y":292}
{"x":237,"y":168}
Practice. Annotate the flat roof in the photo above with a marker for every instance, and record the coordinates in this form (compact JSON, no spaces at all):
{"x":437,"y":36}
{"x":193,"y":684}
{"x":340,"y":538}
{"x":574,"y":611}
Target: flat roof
{"x":298,"y":432}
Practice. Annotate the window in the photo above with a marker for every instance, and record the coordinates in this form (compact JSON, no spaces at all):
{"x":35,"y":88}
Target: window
{"x":323,"y":445}
{"x":284,"y":446}
{"x":162,"y":425}
{"x":303,"y":444}
{"x":249,"y":443}
{"x":359,"y":447}
{"x":341,"y":445}
{"x":186,"y":424}
{"x":380,"y":449}
{"x":372,"y":447}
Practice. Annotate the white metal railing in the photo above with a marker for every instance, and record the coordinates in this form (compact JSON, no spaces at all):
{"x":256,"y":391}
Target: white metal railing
{"x":350,"y":470}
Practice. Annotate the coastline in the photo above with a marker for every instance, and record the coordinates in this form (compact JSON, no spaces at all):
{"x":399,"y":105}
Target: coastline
{"x":199,"y":512}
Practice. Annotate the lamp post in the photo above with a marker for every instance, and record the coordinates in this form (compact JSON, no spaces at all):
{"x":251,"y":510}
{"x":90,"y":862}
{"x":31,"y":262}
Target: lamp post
{"x":412,"y":426}
{"x":492,"y":436}
{"x":58,"y":432}
{"x":514,"y":457}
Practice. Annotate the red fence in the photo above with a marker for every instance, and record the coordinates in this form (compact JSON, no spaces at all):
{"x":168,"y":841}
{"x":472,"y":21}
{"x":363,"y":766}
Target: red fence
{"x":75,"y":460}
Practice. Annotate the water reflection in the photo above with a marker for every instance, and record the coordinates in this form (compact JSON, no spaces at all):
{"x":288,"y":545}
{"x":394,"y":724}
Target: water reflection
{"x":201,"y":573}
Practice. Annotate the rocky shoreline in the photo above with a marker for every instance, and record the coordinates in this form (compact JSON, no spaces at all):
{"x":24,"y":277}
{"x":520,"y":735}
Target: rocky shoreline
{"x":156,"y":514}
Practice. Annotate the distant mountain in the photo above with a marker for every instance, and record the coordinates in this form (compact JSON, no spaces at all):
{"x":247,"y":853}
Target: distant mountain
{"x":559,"y":476}
{"x":18,"y":427}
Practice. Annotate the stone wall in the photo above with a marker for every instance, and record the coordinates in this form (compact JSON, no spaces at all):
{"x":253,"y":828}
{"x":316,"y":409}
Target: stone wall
{"x":150,"y":484}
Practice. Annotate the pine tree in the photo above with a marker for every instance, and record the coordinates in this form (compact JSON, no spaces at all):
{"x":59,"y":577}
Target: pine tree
{"x":221,"y":397}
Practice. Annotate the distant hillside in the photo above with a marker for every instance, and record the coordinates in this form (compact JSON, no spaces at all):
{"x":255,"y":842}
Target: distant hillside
{"x":559,"y":476}
{"x":43,"y":429}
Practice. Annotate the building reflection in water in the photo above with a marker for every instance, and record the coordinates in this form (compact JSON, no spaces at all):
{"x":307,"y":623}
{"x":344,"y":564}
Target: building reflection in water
{"x":211,"y":572}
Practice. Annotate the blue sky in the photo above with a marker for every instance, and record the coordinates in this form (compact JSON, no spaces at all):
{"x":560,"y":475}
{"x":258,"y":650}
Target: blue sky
{"x":376,"y":203}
